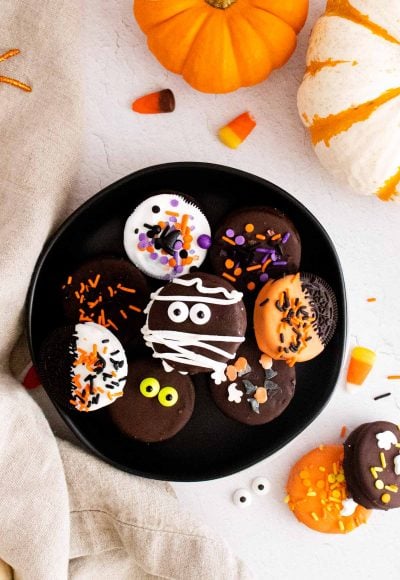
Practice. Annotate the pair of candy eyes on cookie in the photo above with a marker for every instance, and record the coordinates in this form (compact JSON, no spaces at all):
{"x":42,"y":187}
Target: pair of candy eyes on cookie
{"x":179,"y":312}
{"x":167,"y":396}
{"x":242,"y":497}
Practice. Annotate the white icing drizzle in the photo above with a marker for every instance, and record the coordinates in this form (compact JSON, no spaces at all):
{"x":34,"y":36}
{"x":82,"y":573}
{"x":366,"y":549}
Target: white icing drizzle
{"x":234,"y":394}
{"x":386,"y":439}
{"x":178,"y":341}
{"x":397,"y":464}
{"x":349,"y":507}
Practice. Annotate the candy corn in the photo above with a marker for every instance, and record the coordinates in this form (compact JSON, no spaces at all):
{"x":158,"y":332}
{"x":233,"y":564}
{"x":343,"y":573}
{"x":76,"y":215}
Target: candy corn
{"x":158,"y":102}
{"x":361,"y":362}
{"x":236,"y":131}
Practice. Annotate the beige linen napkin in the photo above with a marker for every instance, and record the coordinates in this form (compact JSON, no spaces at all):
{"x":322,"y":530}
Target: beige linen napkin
{"x":64,"y":513}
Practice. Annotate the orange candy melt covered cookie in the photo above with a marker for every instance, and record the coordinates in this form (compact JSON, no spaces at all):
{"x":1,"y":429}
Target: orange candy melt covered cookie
{"x":317,"y":493}
{"x":158,"y":102}
{"x":236,"y":131}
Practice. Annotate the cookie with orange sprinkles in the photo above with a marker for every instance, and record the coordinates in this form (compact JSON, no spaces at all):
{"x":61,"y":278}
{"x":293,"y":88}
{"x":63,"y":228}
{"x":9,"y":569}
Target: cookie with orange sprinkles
{"x":111,"y":292}
{"x":84,"y":367}
{"x":253,"y":245}
{"x":318,"y":495}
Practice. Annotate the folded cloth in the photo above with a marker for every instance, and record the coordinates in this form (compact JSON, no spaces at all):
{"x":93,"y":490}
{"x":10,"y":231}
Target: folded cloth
{"x":64,"y":513}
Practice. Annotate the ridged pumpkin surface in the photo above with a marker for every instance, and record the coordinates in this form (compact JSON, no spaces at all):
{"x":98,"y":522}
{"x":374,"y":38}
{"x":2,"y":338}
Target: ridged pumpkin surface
{"x":350,"y":95}
{"x":218,"y":50}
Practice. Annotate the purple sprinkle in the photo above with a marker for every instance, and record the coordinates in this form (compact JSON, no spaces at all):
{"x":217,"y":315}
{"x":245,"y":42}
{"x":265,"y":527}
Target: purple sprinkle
{"x":274,"y":257}
{"x":173,"y":219}
{"x":204,"y":241}
{"x":142,"y":244}
{"x":265,"y":258}
{"x":192,"y":228}
{"x":154,"y":256}
{"x":264,"y":250}
{"x":285,"y":238}
{"x":174,"y":202}
{"x":230,"y":233}
{"x":240,"y":240}
{"x":178,"y":269}
{"x":192,"y":251}
{"x":178,"y":245}
{"x":280,"y":263}
{"x":264,"y":277}
{"x":164,"y":260}
{"x":142,"y":237}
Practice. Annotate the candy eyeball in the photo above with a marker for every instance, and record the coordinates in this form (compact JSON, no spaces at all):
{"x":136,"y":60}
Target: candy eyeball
{"x":168,"y":396}
{"x":261,"y":486}
{"x":242,"y":498}
{"x":149,"y":387}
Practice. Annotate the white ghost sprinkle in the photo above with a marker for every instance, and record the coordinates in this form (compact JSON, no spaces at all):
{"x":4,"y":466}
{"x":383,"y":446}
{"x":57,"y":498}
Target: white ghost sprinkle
{"x":235,"y":395}
{"x":386,"y":439}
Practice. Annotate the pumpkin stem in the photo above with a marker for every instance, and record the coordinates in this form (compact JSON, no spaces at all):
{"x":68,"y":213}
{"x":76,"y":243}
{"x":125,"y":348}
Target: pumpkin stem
{"x":223,"y":4}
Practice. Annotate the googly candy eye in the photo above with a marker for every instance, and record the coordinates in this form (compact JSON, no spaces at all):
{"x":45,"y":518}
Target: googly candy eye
{"x":242,"y":498}
{"x":200,"y":313}
{"x":149,"y":387}
{"x":261,"y":486}
{"x":168,"y":396}
{"x":178,"y":312}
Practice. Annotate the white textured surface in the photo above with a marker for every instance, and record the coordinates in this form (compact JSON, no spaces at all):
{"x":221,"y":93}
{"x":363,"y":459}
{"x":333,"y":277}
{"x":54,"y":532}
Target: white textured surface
{"x":117,"y":68}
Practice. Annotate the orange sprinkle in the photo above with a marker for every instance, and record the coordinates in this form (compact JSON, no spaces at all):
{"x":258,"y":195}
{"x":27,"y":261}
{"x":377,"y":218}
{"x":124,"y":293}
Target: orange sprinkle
{"x":111,"y":291}
{"x":251,"y":286}
{"x":229,"y":264}
{"x":123,"y":314}
{"x":231,"y":372}
{"x":172,"y":262}
{"x":125,"y":289}
{"x":371,"y":299}
{"x":184,"y":223}
{"x":241,"y":363}
{"x":77,"y":295}
{"x":69,"y":280}
{"x":150,"y":249}
{"x":173,"y":213}
{"x":95,"y":282}
{"x":249,"y":228}
{"x":393,"y":377}
{"x":237,"y":272}
{"x":276,"y":237}
{"x":260,"y":237}
{"x":229,"y":277}
{"x":343,"y":431}
{"x":266,"y":264}
{"x":252,"y":268}
{"x":135,"y":308}
{"x":228,"y":241}
{"x":110,"y":323}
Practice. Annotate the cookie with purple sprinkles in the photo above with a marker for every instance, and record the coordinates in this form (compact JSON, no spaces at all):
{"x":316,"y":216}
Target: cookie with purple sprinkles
{"x":253,"y":245}
{"x":167,"y":235}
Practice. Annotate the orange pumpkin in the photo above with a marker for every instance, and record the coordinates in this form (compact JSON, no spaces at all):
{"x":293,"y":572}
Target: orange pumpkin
{"x":221,"y":45}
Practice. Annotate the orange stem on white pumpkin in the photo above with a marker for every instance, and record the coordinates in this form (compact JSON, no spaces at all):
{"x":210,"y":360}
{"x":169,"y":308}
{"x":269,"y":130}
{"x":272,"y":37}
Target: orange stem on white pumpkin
{"x":223,"y":4}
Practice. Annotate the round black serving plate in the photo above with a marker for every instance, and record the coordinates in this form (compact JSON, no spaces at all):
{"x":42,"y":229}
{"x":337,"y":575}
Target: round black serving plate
{"x":211,"y":445}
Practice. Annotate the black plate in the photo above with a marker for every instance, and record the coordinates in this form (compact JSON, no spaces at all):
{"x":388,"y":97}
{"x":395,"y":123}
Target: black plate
{"x":211,"y":445}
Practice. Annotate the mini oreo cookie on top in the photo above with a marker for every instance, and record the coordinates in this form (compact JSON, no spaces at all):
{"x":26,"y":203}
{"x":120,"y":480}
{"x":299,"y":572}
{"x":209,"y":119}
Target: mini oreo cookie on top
{"x":83,"y":366}
{"x":257,"y":390}
{"x":108,"y":291}
{"x":295,"y":317}
{"x":166,"y":236}
{"x":196,"y":324}
{"x":255,"y":244}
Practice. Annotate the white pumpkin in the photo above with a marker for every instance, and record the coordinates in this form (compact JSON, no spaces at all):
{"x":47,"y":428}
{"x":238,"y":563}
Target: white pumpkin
{"x":350,"y":96}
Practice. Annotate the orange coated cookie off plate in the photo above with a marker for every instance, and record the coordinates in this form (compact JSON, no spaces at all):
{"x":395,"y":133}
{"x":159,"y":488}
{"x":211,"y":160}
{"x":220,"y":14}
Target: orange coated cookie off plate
{"x":317,"y":492}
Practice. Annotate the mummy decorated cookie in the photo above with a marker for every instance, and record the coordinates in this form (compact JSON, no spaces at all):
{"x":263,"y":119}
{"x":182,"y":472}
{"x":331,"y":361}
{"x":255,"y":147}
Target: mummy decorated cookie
{"x":372,"y":465}
{"x":257,"y":388}
{"x":110,"y":292}
{"x":156,"y":404}
{"x":253,"y":245}
{"x":295,"y":317}
{"x":196,"y":324}
{"x":84,"y":367}
{"x":166,"y":236}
